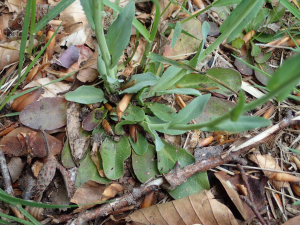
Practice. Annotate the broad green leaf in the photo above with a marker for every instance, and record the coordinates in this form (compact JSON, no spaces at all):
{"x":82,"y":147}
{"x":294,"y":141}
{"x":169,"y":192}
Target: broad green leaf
{"x":167,"y":76}
{"x":141,"y":145}
{"x":176,"y":33}
{"x":87,"y":6}
{"x":262,"y":57}
{"x":185,"y":44}
{"x":242,"y":124}
{"x":258,"y":21}
{"x":118,"y":127}
{"x":191,"y":111}
{"x":135,"y":22}
{"x":158,"y":142}
{"x":88,"y":171}
{"x":263,"y":78}
{"x":145,"y":166}
{"x":238,"y":43}
{"x":255,"y":49}
{"x":230,"y":77}
{"x":276,"y":14}
{"x":238,"y":109}
{"x":152,"y":120}
{"x":167,"y":158}
{"x":94,"y":118}
{"x":113,"y":155}
{"x":141,"y":81}
{"x":263,"y":38}
{"x":215,"y":107}
{"x":243,"y":6}
{"x":53,"y":13}
{"x":66,"y":156}
{"x":86,"y":95}
{"x":285,"y":78}
{"x":47,"y":114}
{"x":162,"y":59}
{"x":162,"y":111}
{"x":118,"y":34}
{"x":183,"y":91}
{"x":242,"y":67}
{"x":134,"y":113}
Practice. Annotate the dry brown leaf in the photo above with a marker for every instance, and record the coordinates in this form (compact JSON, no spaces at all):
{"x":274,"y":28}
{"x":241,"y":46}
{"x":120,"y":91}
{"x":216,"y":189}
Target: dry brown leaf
{"x":136,"y":59}
{"x":50,"y":90}
{"x":93,"y":192}
{"x":76,"y":26}
{"x":15,"y":5}
{"x":90,"y":73}
{"x":199,"y":208}
{"x":268,"y":162}
{"x":14,"y":143}
{"x":73,"y":126}
{"x":163,"y":4}
{"x":293,"y":221}
{"x":15,"y":167}
{"x":234,"y":183}
{"x":9,"y":52}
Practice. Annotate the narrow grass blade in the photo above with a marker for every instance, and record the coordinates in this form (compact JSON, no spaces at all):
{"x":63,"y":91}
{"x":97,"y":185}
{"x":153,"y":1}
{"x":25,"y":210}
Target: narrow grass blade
{"x":87,"y":8}
{"x":291,"y":8}
{"x":16,"y":219}
{"x":30,"y":217}
{"x":53,"y":13}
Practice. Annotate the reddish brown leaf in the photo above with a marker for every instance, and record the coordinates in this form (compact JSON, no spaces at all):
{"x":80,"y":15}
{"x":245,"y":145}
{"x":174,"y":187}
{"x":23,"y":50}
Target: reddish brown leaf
{"x":15,"y":143}
{"x":46,"y":114}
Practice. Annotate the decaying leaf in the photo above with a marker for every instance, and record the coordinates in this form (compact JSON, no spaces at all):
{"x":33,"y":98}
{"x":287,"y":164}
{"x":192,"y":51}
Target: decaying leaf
{"x":49,"y":90}
{"x":21,"y":102}
{"x":90,"y":73}
{"x":15,"y":167}
{"x":93,"y":193}
{"x":233,"y":183}
{"x":46,"y":114}
{"x":199,"y":208}
{"x":14,"y":143}
{"x":185,"y":45}
{"x":268,"y":162}
{"x":163,"y":4}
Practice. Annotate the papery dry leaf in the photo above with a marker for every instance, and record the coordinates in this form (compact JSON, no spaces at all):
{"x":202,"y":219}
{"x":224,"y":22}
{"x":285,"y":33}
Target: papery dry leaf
{"x":45,"y":177}
{"x":73,"y":125}
{"x":50,"y":90}
{"x":36,"y":167}
{"x":21,"y":102}
{"x":81,"y":144}
{"x":230,"y":184}
{"x":46,"y":114}
{"x":73,"y":67}
{"x":136,"y":59}
{"x":199,"y":208}
{"x":8,"y":128}
{"x":293,"y":221}
{"x":90,"y":73}
{"x":268,"y":162}
{"x":36,"y":212}
{"x":15,"y":167}
{"x":93,"y":192}
{"x":163,"y":4}
{"x":84,"y":53}
{"x":69,"y":184}
{"x":12,"y":146}
{"x":9,"y":52}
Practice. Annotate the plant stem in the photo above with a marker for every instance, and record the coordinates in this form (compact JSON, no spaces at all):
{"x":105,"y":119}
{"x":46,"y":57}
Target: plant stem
{"x":32,"y":27}
{"x":98,"y":8}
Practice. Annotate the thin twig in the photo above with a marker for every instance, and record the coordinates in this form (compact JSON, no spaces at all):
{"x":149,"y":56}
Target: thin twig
{"x":253,"y":207}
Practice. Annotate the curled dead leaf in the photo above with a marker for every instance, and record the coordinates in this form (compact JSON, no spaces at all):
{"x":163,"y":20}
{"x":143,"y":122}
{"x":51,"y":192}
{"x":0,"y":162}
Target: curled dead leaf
{"x":16,"y":143}
{"x":21,"y":102}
